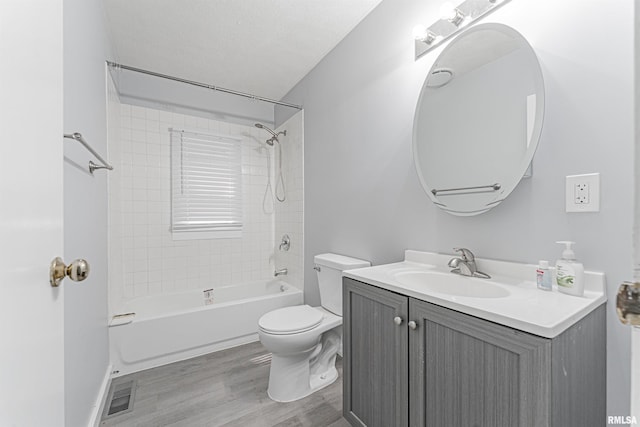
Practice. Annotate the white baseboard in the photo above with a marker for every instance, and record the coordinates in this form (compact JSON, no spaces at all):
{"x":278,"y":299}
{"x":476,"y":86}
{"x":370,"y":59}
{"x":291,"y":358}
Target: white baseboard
{"x":98,"y":406}
{"x":635,"y":372}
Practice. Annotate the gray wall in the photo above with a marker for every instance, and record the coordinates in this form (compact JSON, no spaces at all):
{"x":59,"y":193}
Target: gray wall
{"x":85,"y":208}
{"x":362,"y":194}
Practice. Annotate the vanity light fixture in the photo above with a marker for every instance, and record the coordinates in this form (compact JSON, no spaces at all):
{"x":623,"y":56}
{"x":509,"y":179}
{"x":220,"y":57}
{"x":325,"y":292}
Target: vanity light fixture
{"x":452,"y":20}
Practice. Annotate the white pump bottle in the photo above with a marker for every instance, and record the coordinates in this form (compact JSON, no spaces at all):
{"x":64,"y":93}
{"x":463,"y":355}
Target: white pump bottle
{"x":569,"y":272}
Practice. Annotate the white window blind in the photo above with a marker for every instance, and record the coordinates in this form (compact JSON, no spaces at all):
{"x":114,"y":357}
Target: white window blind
{"x":206,"y":185}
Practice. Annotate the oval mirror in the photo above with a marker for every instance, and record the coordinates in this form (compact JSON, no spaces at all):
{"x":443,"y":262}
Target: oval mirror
{"x":478,"y":119}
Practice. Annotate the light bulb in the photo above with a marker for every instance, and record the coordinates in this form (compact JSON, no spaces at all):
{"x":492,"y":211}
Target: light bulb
{"x":419,"y":32}
{"x":447,"y":11}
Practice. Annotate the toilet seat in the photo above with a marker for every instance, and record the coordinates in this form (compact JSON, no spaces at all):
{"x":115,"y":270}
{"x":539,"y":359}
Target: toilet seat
{"x":290,"y":320}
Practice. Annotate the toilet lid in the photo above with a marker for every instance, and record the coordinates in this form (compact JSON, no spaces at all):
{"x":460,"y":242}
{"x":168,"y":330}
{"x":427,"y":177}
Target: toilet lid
{"x":290,"y":320}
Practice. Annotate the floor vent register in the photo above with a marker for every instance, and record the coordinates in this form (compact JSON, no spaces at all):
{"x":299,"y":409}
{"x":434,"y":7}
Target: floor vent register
{"x":120,"y":399}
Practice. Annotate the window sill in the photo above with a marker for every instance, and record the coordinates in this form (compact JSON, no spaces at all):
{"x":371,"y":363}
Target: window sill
{"x":202,"y":235}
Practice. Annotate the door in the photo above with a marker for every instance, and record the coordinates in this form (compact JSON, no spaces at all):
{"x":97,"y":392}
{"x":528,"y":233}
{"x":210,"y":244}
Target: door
{"x":635,"y":334}
{"x":31,"y":213}
{"x":470,"y":372}
{"x":628,"y":310}
{"x":375,"y":356}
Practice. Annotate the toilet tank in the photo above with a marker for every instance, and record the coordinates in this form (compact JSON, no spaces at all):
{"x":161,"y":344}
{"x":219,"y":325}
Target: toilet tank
{"x":329,"y":268}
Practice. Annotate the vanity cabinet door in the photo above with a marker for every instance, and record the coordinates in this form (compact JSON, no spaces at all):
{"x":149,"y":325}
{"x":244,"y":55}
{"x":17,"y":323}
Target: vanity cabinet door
{"x":467,"y":371}
{"x":375,"y":356}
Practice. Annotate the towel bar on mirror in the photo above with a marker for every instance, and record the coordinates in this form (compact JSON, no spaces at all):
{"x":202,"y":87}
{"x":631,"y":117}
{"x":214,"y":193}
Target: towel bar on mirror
{"x":495,"y":187}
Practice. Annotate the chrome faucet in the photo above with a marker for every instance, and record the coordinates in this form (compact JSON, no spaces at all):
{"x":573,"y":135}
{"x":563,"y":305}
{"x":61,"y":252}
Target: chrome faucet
{"x":281,"y":272}
{"x":465,"y":265}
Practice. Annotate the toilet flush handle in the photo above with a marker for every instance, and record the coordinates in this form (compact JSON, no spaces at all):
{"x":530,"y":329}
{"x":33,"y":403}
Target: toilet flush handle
{"x":316,"y":268}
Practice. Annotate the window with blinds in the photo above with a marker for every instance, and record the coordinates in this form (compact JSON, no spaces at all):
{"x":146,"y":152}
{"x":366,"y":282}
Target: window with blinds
{"x":206,"y":185}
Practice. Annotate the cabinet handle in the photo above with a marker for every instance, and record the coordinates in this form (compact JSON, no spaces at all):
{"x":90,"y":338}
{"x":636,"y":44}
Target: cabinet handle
{"x":412,"y":324}
{"x":397,"y":320}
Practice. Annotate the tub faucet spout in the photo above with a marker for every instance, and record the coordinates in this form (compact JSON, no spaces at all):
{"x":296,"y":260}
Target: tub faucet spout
{"x":281,"y":272}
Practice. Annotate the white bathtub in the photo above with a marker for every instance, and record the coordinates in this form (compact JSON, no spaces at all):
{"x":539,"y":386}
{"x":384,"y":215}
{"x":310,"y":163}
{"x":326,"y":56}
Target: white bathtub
{"x":178,"y":326}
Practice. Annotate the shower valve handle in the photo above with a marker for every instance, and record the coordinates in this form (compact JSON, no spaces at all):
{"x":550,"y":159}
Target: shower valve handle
{"x":285,"y":243}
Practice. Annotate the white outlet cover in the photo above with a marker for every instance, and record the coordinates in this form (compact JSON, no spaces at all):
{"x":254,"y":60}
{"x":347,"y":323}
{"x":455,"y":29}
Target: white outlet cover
{"x":592,"y":181}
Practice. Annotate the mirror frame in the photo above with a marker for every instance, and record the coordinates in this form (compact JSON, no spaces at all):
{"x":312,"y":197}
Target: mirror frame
{"x":525,"y":164}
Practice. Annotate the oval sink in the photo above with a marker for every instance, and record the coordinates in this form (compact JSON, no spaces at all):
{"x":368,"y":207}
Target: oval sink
{"x":452,"y":284}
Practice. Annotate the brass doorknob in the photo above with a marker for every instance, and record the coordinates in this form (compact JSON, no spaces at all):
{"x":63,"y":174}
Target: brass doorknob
{"x":628,"y":303}
{"x":77,"y":271}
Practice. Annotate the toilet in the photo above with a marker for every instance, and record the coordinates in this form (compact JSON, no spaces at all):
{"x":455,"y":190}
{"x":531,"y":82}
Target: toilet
{"x":304,"y":340}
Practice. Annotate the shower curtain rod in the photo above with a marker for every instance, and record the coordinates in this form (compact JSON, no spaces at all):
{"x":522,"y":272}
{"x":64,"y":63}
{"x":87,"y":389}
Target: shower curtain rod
{"x":204,"y":85}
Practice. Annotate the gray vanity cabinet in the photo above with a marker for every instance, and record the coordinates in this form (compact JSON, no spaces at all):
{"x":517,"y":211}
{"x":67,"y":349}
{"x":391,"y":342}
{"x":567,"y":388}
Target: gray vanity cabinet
{"x":376,"y":349}
{"x":466,"y":371}
{"x":453,"y":369}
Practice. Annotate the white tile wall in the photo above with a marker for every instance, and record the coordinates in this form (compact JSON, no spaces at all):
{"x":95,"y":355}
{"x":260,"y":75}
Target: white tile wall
{"x":144,"y":260}
{"x":289,"y":214}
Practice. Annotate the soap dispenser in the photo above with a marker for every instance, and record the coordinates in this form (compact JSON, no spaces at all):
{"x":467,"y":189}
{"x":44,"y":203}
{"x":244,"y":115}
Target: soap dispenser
{"x":569,"y":272}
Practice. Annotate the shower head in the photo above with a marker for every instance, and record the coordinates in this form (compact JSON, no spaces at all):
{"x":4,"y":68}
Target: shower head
{"x":274,"y":138}
{"x":261,"y":126}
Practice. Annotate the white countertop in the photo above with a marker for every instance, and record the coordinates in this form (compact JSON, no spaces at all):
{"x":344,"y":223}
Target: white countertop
{"x":526,"y":308}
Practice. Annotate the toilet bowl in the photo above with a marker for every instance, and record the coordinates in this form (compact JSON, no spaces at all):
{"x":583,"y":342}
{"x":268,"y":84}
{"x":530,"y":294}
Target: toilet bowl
{"x":304,"y":344}
{"x":305,"y":340}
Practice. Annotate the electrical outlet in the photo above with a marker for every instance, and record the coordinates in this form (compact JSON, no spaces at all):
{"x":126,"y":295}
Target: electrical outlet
{"x":583,"y":193}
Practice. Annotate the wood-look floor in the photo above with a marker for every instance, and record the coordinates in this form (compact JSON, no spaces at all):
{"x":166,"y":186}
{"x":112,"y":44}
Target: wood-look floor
{"x":227,"y":388}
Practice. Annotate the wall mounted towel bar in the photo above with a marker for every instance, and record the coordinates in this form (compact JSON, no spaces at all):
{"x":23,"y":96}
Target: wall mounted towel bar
{"x":92,"y":166}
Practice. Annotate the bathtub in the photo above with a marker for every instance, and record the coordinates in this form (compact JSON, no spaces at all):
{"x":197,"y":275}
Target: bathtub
{"x":177,"y":326}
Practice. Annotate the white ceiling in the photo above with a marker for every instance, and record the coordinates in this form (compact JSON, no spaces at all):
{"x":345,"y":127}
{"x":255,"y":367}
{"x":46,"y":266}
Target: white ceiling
{"x":262,"y":47}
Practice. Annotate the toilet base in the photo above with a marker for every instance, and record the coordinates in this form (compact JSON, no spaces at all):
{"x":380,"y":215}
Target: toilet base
{"x":295,"y":376}
{"x":315,"y":385}
{"x":321,"y":381}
